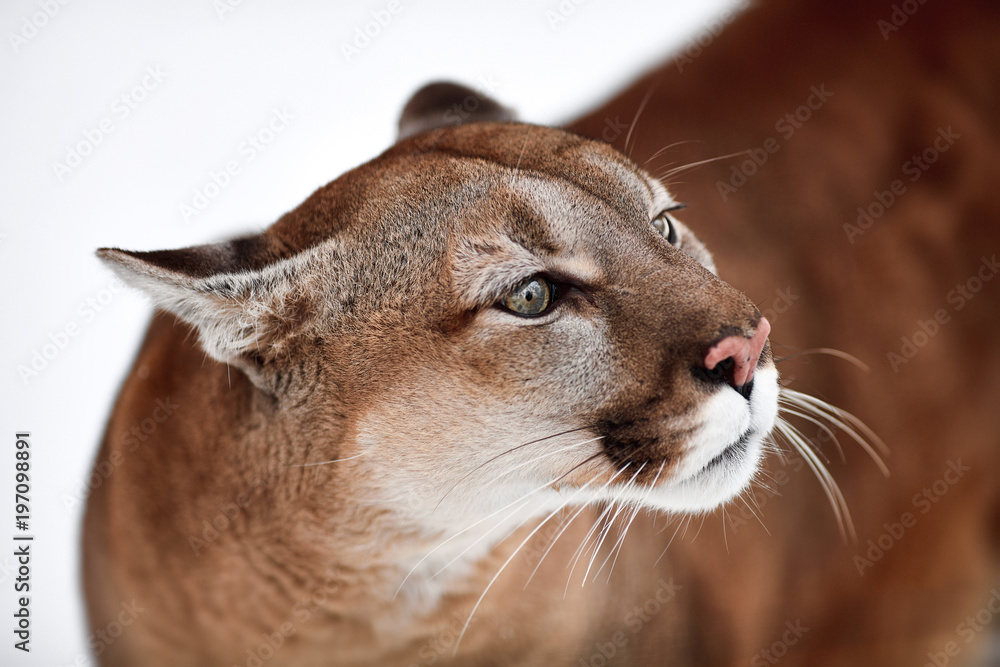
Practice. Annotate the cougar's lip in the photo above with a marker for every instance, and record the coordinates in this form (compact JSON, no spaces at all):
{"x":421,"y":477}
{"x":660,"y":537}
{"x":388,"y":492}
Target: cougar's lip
{"x":736,"y":450}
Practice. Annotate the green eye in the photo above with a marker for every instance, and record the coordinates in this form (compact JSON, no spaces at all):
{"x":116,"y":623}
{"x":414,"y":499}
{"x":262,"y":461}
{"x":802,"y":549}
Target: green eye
{"x":530,"y":297}
{"x":663,"y":224}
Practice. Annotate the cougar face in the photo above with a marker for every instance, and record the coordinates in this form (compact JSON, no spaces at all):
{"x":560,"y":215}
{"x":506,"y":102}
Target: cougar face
{"x":483,"y":326}
{"x":603,"y":390}
{"x":630,"y":375}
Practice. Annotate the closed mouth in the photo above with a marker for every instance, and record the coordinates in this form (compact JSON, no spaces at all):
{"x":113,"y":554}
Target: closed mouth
{"x":735,"y":451}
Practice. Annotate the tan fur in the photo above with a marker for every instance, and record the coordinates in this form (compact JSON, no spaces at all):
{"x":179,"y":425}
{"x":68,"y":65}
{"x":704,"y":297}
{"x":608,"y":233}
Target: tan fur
{"x":371,"y":418}
{"x":360,"y":329}
{"x":782,"y":233}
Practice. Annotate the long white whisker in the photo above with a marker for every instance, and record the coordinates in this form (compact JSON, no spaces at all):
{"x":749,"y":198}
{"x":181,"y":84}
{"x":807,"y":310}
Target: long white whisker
{"x":495,"y":458}
{"x":323,"y":463}
{"x":586,"y":538}
{"x":546,"y":455}
{"x":527,"y":134}
{"x":610,"y":522}
{"x":700,"y":526}
{"x":626,"y":506}
{"x":551,"y":514}
{"x":725,"y":538}
{"x":616,"y":548}
{"x":556,"y":538}
{"x":523,"y":499}
{"x":557,"y":511}
{"x":692,"y":165}
{"x":639,"y":506}
{"x":756,"y":516}
{"x":499,"y":523}
{"x":798,"y":413}
{"x":635,"y":121}
{"x":504,"y":566}
{"x":665,"y":149}
{"x":765,"y":486}
{"x":680,"y":523}
{"x":850,"y":358}
{"x":845,"y":421}
{"x":599,"y":522}
{"x":487,"y":534}
{"x":827,"y":483}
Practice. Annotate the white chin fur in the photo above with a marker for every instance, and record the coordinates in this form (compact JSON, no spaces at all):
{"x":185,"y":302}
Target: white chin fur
{"x":713,"y":470}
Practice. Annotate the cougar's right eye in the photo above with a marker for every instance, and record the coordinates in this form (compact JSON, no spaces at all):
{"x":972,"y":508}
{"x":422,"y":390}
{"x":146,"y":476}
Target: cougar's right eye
{"x":665,"y":226}
{"x":531,"y":297}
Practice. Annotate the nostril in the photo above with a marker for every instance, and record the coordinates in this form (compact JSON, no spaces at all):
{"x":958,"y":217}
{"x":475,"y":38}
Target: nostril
{"x":734,"y":359}
{"x":723,"y":372}
{"x":719,"y":373}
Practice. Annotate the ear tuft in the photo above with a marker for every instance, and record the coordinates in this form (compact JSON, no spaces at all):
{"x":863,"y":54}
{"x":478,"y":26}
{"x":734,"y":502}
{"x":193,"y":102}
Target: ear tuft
{"x":442,"y":104}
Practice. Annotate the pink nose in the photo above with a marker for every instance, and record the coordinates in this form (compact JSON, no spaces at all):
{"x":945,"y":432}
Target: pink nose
{"x":745,"y":353}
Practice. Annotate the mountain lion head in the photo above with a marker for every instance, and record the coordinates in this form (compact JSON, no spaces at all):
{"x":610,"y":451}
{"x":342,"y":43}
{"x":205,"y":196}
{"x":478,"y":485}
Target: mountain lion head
{"x":487,"y":323}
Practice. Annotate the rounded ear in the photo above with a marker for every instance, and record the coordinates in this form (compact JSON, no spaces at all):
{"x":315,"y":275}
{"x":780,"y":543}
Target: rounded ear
{"x":442,"y":104}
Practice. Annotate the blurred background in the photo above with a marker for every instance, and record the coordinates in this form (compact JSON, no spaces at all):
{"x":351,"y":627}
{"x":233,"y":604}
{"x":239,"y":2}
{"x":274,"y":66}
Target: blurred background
{"x":157,"y":126}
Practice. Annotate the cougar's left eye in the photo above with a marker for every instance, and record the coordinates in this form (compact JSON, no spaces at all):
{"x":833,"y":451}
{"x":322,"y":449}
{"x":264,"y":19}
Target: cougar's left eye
{"x":665,"y":226}
{"x":530,"y":297}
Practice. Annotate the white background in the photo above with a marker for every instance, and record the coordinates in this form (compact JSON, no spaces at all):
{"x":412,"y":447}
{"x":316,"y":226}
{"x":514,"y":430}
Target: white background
{"x":224,"y":74}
